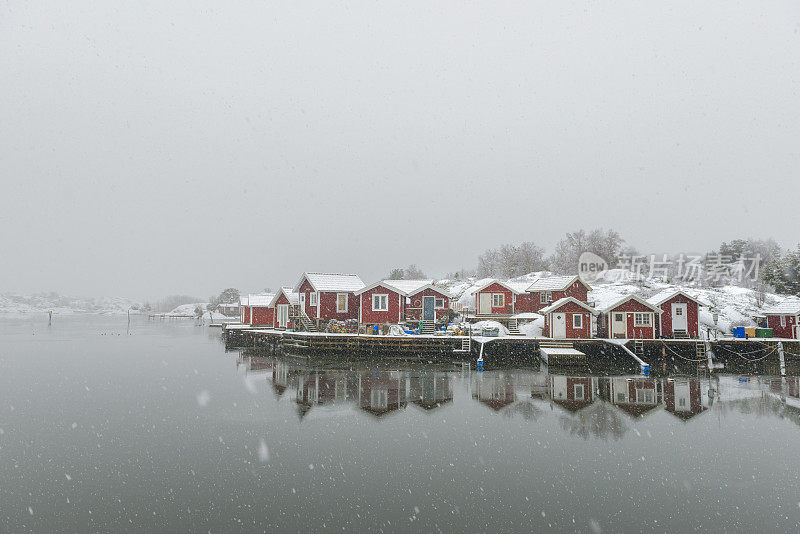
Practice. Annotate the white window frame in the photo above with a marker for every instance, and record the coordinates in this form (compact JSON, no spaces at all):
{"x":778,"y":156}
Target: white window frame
{"x":501,"y":300}
{"x":577,"y":320}
{"x":312,"y":298}
{"x":575,"y":392}
{"x":303,"y":301}
{"x":438,"y":303}
{"x":549,"y":295}
{"x":542,"y":297}
{"x":679,"y":311}
{"x":346,"y":299}
{"x":783,"y":321}
{"x":378,"y":297}
{"x":644,"y":396}
{"x":642,"y":319}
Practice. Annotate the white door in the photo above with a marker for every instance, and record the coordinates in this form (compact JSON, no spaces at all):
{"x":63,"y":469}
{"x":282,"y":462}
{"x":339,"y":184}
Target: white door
{"x":559,"y":325}
{"x":797,"y":331}
{"x":679,"y":320}
{"x":485,"y":303}
{"x":619,"y":325}
{"x":283,"y":315}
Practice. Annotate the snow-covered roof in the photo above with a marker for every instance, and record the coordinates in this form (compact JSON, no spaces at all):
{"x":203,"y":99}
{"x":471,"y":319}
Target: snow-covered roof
{"x":518,"y":287}
{"x":243,"y":300}
{"x":294,"y":298}
{"x":555,"y":283}
{"x":788,"y":307}
{"x":662,"y":296}
{"x":406,"y":288}
{"x":513,"y":287}
{"x":331,"y":282}
{"x":625,"y":299}
{"x":261,"y":299}
{"x":560,"y":302}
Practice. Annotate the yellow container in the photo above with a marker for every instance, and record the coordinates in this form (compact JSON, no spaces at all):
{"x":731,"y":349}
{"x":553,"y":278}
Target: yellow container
{"x":751,"y":332}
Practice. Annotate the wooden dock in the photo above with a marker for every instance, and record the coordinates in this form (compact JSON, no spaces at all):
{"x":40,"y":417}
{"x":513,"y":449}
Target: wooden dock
{"x":657,"y":356}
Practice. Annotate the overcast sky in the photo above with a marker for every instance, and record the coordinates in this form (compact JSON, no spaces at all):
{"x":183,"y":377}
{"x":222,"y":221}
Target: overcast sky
{"x":149,"y":148}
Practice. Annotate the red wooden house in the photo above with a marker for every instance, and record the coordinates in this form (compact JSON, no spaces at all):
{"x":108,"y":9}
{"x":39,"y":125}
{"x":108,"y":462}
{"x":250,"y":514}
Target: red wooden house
{"x":545,"y":291}
{"x":261,"y":311}
{"x":326,"y":296}
{"x":680,"y":315}
{"x":244,"y":310}
{"x":784,"y":319}
{"x":630,"y":318}
{"x":282,"y":303}
{"x":568,"y":318}
{"x":494,"y":297}
{"x":683,"y":397}
{"x":397,"y":301}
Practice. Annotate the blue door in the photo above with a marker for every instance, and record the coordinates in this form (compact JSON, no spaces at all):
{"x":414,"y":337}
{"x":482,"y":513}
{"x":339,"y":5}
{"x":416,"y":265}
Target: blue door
{"x":428,"y":307}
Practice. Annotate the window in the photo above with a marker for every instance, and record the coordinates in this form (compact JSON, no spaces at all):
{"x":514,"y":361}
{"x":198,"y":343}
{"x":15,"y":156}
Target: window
{"x":682,"y":402}
{"x":312,"y":299}
{"x":302,"y":300}
{"x":577,"y":320}
{"x":498,"y":300}
{"x":380,"y":302}
{"x":641,"y":319}
{"x":621,"y":397}
{"x":783,"y":320}
{"x":644,"y":396}
{"x":618,"y":317}
{"x":543,"y":298}
{"x":578,"y":390}
{"x":439,"y":303}
{"x":679,"y":311}
{"x":341,"y":302}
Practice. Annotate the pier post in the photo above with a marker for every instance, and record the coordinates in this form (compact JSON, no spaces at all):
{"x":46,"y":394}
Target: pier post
{"x":780,"y":357}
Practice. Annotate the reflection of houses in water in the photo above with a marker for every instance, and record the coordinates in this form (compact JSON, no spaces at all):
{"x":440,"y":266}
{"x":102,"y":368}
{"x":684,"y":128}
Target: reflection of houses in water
{"x":382,"y":392}
{"x":430,"y":389}
{"x":791,"y":388}
{"x":495,"y":390}
{"x":683,"y":397}
{"x":280,"y":377}
{"x":572,"y":392}
{"x":634,"y":395}
{"x":325,"y":387}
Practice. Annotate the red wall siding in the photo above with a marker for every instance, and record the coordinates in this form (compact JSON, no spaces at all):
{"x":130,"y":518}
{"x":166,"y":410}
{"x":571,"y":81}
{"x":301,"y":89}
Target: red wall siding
{"x":392,"y":315}
{"x":306,"y":289}
{"x":281,"y":300}
{"x":570,"y":309}
{"x":262,"y":315}
{"x":246,"y":314}
{"x":637,"y":332}
{"x":577,"y":291}
{"x":412,"y":314}
{"x":786,"y":332}
{"x":692,"y":316}
{"x":327,"y":302}
{"x":507,"y":308}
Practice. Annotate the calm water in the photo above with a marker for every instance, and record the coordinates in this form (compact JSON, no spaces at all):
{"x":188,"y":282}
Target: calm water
{"x":157,"y":428}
